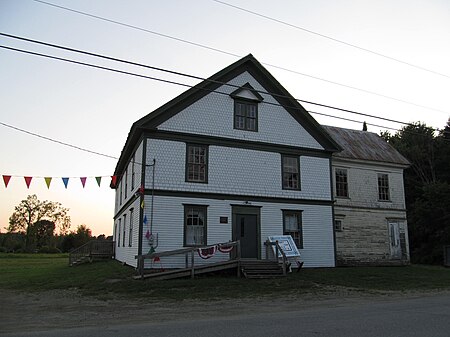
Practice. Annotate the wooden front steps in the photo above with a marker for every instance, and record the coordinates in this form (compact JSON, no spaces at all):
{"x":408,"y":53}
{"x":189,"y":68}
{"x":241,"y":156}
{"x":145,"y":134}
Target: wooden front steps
{"x":254,"y":269}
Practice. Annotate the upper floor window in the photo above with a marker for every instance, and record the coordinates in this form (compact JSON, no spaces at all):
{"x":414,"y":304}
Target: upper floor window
{"x":197,"y":163}
{"x":341,"y":183}
{"x":132,"y":171}
{"x":291,"y":172}
{"x":194,"y":225}
{"x":246,"y":100}
{"x":245,"y":115}
{"x":130,"y":234}
{"x":126,"y":183}
{"x":292,"y":225}
{"x":383,"y":187}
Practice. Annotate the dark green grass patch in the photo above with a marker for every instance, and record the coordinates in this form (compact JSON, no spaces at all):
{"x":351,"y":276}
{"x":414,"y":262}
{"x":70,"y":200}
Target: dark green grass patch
{"x":29,"y":272}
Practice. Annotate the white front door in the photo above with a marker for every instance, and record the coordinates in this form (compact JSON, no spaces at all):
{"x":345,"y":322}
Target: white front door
{"x":394,"y":236}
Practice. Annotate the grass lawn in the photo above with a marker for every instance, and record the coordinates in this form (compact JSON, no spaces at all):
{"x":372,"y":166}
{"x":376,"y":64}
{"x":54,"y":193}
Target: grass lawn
{"x":40,"y":272}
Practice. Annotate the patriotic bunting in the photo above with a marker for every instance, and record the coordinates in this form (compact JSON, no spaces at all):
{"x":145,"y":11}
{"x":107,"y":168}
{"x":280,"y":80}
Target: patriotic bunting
{"x":6,"y":180}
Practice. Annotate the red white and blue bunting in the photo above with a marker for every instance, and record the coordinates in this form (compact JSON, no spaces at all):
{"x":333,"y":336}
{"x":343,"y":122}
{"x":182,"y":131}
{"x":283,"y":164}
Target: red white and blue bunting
{"x":208,"y":252}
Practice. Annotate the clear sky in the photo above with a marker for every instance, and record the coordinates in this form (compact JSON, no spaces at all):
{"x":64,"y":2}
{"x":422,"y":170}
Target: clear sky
{"x":94,"y":109}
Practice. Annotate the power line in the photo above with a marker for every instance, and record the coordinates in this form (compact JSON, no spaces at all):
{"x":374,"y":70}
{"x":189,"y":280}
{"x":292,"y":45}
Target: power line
{"x":235,"y":55}
{"x":57,"y":141}
{"x":332,"y":38}
{"x":167,"y":71}
{"x":210,"y":90}
{"x":205,"y":89}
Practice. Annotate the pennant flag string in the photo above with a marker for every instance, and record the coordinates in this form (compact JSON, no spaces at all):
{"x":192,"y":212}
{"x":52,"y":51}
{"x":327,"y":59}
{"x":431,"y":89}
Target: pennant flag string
{"x":48,"y":180}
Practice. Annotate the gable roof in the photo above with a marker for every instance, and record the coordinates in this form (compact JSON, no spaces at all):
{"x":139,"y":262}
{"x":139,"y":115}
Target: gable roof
{"x":364,"y":145}
{"x":252,"y":66}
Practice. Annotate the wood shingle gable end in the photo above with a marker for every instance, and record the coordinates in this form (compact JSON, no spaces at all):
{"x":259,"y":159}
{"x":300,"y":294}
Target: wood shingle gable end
{"x":150,"y":122}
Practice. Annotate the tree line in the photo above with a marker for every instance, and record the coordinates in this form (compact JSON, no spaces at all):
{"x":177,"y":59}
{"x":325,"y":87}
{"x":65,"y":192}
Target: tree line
{"x":43,"y":226}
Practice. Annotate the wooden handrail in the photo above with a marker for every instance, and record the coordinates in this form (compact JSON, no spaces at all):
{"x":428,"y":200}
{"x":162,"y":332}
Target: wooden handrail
{"x":190,"y":250}
{"x":91,"y":249}
{"x":278,"y":250}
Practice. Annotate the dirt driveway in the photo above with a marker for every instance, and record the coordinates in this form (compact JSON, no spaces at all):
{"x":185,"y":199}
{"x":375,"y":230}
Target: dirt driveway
{"x":20,"y":312}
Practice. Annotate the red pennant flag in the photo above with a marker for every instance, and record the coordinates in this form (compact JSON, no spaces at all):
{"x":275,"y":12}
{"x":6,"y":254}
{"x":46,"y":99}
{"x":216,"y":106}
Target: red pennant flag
{"x":83,"y":181}
{"x":113,"y":181}
{"x":28,"y":181}
{"x":6,"y":180}
{"x":141,"y":189}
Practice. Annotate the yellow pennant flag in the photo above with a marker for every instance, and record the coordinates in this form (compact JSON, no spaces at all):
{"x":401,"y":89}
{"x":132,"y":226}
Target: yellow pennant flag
{"x":48,"y":180}
{"x":142,"y":204}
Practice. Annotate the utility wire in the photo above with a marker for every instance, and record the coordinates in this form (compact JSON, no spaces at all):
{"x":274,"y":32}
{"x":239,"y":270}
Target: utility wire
{"x":171,"y":72}
{"x":191,"y":86}
{"x":331,"y":38}
{"x":57,"y":141}
{"x":235,"y":55}
{"x":181,"y":84}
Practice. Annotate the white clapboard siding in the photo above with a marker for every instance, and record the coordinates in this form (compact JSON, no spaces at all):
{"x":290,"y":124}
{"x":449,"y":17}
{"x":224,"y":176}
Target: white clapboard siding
{"x":236,"y":171}
{"x":168,"y":224}
{"x":125,"y":253}
{"x":123,"y":195}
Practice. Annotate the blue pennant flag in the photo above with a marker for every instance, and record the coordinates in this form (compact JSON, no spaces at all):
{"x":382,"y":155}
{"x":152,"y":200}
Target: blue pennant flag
{"x":65,"y":181}
{"x":145,"y":219}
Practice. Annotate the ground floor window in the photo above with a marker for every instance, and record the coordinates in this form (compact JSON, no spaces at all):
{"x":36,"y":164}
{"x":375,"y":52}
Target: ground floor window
{"x":338,"y":225}
{"x":292,"y":225}
{"x":195,"y":219}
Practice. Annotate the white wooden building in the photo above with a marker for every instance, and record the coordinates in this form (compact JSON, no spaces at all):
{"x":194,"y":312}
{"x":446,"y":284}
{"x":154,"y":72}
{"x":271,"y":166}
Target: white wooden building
{"x":370,"y":210}
{"x":234,"y":158}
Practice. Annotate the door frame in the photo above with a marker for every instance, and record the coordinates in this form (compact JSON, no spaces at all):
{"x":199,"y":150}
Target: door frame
{"x":247,"y":210}
{"x":395,"y":248}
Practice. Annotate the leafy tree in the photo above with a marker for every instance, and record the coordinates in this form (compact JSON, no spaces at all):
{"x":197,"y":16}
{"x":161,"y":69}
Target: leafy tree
{"x":430,"y":223}
{"x":427,"y":188}
{"x":32,"y":210}
{"x":42,"y":232}
{"x":75,"y":239}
